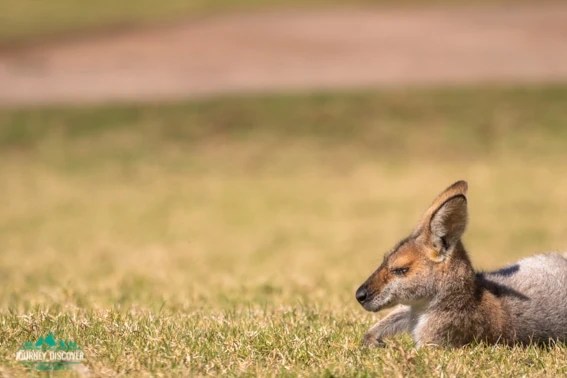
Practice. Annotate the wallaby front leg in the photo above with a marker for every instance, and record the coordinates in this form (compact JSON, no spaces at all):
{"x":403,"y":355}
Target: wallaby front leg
{"x":396,"y":322}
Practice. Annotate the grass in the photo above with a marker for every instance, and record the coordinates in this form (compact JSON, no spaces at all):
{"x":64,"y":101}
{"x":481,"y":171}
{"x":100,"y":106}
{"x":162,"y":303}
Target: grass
{"x":24,"y":20}
{"x":227,"y":236}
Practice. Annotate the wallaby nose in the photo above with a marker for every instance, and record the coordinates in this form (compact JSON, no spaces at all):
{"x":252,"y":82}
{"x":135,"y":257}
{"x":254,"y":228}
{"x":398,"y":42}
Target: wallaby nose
{"x":361,"y":294}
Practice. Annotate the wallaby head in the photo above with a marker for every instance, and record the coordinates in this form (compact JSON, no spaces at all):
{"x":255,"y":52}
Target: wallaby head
{"x":427,"y":263}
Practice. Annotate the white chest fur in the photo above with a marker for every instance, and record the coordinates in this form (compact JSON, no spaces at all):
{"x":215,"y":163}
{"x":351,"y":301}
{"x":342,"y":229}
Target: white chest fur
{"x":419,"y":319}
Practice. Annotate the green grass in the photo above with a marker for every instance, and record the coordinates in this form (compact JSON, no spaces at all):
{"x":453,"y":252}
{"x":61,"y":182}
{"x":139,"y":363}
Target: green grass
{"x":24,"y":20}
{"x":228,"y":236}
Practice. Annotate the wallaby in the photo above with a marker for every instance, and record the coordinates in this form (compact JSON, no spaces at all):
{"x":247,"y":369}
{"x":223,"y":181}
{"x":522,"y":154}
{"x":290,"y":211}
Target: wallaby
{"x":445,"y":302}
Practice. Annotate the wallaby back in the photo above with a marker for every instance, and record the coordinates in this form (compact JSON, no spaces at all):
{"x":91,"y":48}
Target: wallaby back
{"x":533,"y":292}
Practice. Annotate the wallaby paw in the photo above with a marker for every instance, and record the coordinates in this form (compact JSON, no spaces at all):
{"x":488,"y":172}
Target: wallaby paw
{"x":372,"y":341}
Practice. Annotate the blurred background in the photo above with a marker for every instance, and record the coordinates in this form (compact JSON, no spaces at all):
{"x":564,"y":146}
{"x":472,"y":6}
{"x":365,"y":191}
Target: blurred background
{"x":215,"y":141}
{"x":213,"y":154}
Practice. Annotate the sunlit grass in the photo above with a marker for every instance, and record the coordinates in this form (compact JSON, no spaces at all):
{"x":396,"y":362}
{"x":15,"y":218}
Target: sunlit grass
{"x":228,"y":236}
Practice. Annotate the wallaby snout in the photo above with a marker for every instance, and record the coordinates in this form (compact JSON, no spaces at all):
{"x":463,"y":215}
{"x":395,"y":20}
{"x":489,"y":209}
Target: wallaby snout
{"x":361,"y":294}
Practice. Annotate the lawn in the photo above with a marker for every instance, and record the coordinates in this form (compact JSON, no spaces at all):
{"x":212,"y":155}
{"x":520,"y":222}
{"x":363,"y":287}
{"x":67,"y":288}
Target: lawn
{"x":25,"y":20}
{"x":227,"y":236}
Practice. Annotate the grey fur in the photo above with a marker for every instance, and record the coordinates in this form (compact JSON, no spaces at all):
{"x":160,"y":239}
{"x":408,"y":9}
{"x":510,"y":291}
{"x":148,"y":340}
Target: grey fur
{"x":536,"y":297}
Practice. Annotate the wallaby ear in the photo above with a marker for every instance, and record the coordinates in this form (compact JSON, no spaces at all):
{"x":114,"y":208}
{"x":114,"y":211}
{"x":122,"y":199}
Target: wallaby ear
{"x":448,"y":224}
{"x":445,"y":221}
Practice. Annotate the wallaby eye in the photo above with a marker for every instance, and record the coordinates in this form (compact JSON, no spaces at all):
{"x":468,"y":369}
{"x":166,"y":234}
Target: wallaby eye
{"x":399,"y":271}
